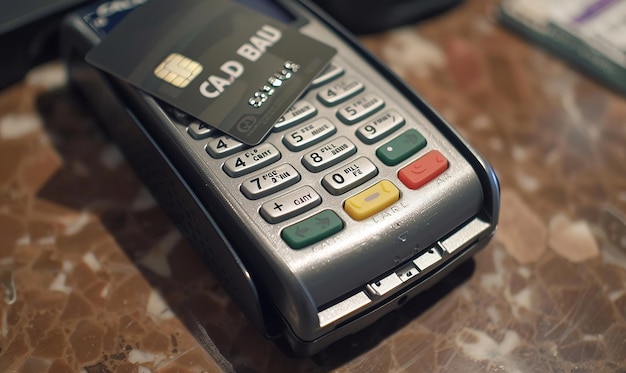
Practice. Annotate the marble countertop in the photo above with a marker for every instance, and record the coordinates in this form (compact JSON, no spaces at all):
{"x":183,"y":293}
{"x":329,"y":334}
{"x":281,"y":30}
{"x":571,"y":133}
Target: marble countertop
{"x":95,"y":278}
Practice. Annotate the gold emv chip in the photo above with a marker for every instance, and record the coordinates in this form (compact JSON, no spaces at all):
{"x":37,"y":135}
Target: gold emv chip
{"x":178,"y":70}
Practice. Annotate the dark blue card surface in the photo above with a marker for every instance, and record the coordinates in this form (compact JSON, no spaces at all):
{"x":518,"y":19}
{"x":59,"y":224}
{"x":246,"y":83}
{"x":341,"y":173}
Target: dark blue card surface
{"x":223,"y":63}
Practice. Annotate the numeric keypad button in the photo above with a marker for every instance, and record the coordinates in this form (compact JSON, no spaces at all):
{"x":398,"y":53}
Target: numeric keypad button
{"x":297,"y":113}
{"x":360,"y":108}
{"x":329,"y":154}
{"x":223,"y":146}
{"x":339,"y":91}
{"x":199,"y":130}
{"x":331,"y":72}
{"x":270,"y":181}
{"x":379,"y":127}
{"x":251,"y":160}
{"x":309,"y":134}
{"x":349,"y":176}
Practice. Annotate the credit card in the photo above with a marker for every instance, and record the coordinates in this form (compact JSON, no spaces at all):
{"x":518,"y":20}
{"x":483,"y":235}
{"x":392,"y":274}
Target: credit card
{"x":225,"y":64}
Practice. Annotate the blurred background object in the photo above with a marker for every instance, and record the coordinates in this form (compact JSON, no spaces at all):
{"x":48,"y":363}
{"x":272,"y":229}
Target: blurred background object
{"x":368,"y":16}
{"x":588,"y":34}
{"x":28,"y":34}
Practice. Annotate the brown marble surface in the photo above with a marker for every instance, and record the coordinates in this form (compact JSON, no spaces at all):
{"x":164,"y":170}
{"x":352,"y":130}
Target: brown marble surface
{"x":95,"y":278}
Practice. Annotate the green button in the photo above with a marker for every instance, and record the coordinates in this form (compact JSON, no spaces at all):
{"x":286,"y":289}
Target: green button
{"x":401,"y":147}
{"x":312,"y":230}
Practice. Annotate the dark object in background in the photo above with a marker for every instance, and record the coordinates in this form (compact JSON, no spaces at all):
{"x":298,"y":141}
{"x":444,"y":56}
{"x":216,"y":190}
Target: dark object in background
{"x":28,"y":28}
{"x":28,"y":34}
{"x":367,"y":16}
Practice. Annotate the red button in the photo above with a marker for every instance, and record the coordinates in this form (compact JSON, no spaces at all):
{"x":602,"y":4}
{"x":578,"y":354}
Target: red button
{"x":423,"y":170}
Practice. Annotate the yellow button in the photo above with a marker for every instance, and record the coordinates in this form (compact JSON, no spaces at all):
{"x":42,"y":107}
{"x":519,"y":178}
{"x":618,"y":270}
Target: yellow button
{"x":372,"y":200}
